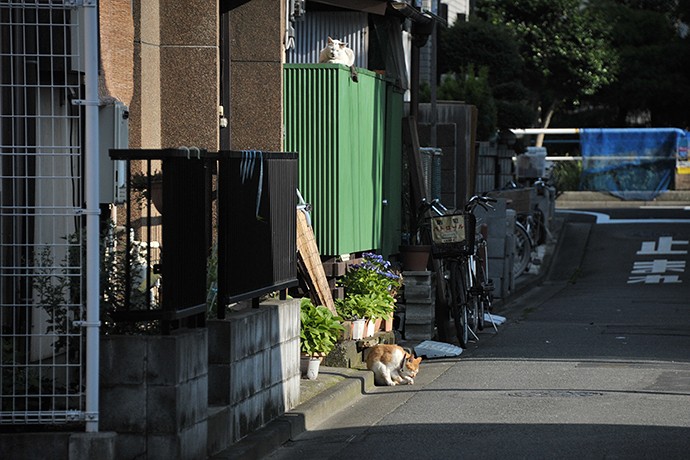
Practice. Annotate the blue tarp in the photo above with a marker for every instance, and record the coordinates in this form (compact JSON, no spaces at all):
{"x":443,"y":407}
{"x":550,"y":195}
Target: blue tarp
{"x":632,"y":163}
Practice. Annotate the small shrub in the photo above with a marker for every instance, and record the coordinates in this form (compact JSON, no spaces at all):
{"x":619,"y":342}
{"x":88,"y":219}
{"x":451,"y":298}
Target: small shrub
{"x":320,"y":329}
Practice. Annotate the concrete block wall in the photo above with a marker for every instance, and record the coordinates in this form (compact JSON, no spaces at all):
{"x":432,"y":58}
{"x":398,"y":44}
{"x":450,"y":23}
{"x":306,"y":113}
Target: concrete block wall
{"x":154,"y":394}
{"x":420,"y":305}
{"x":254,"y":373}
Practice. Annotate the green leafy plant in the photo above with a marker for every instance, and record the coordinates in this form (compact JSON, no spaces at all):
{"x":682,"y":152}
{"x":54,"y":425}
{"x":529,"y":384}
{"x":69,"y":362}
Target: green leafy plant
{"x":567,"y":175}
{"x":52,"y":286}
{"x":320,"y":329}
{"x":352,"y":307}
{"x":370,"y":289}
{"x":144,"y":186}
{"x":20,"y":377}
{"x":58,"y":280}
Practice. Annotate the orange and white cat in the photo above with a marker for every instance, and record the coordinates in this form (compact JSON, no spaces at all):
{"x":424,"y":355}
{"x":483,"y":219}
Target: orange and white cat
{"x":392,"y":365}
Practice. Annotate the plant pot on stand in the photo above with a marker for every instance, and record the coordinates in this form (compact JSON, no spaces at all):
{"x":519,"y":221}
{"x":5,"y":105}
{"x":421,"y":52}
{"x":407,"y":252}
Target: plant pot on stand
{"x":415,"y":258}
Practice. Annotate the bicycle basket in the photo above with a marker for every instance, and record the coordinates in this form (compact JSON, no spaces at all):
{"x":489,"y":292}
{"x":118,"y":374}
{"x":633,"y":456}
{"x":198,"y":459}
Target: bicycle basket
{"x":452,"y":235}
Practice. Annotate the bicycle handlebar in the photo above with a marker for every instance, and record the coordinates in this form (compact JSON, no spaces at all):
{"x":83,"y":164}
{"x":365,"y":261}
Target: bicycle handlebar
{"x":483,"y":201}
{"x":435,"y":205}
{"x":439,"y":209}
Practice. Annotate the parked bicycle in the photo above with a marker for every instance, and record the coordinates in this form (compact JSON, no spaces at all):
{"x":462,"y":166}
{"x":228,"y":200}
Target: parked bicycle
{"x":530,"y":228}
{"x":464,"y":264}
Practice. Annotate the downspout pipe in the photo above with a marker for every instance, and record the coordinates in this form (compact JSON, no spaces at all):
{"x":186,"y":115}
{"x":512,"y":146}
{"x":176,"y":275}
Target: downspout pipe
{"x":92,"y":211}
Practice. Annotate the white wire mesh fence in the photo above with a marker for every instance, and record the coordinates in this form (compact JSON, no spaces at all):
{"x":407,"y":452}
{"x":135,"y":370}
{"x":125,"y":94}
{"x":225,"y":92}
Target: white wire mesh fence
{"x":41,"y":192}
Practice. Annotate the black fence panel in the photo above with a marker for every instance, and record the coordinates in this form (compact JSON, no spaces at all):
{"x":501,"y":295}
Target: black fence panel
{"x":179,"y":188}
{"x":256,"y":232}
{"x":257,"y":203}
{"x":186,"y":210}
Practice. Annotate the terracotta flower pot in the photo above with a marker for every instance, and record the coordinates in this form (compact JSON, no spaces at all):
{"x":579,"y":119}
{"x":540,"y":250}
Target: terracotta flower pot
{"x":415,"y":257}
{"x":387,"y":325}
{"x":370,"y":328}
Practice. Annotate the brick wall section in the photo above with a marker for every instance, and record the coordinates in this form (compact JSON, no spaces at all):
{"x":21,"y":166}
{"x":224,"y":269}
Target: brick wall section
{"x":116,"y":27}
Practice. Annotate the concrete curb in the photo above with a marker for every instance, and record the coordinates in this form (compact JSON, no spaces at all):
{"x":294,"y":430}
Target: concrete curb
{"x":528,"y":281}
{"x":352,"y":384}
{"x":341,"y":387}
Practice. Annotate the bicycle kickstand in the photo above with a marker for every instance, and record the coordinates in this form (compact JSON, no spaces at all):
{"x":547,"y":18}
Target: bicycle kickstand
{"x":493,"y":323}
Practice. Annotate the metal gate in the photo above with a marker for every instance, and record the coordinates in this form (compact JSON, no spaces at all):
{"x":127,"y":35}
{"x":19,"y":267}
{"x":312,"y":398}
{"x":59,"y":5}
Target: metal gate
{"x":42,"y":260}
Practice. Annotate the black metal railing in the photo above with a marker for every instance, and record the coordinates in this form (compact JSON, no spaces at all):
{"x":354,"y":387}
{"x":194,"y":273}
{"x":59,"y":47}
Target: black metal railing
{"x":257,"y":242}
{"x":171,"y":213}
{"x":168,"y":206}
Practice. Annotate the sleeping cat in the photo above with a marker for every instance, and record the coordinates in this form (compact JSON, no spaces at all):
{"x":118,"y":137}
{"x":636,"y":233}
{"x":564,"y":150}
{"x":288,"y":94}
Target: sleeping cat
{"x":392,"y":365}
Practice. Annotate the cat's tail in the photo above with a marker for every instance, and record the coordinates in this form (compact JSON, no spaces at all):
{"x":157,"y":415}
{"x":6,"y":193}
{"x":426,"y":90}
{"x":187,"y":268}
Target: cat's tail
{"x":353,"y":74}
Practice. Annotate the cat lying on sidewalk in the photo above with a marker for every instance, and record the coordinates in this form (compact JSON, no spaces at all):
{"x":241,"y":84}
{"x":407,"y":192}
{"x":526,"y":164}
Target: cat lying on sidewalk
{"x":392,"y":365}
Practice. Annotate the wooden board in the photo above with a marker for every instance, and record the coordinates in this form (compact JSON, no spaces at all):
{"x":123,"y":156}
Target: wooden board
{"x":310,"y":260}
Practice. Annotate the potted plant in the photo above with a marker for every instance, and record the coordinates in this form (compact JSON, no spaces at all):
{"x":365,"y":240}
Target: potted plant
{"x":319,"y":333}
{"x":371,"y":286}
{"x":353,"y":309}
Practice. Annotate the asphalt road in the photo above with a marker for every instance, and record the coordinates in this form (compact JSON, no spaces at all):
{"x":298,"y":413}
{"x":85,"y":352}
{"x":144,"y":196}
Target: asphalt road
{"x":595,"y":363}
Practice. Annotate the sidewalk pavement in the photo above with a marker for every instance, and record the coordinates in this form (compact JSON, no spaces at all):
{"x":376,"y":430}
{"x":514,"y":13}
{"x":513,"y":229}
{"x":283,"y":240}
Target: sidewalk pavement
{"x":337,"y":388}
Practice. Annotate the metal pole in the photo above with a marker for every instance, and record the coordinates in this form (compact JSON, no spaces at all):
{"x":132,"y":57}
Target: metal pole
{"x":522,"y":132}
{"x":92,"y":211}
{"x":432,"y":81}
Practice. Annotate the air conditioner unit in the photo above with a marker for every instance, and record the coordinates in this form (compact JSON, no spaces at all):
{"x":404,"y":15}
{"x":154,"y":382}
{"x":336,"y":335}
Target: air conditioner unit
{"x":114,"y":134}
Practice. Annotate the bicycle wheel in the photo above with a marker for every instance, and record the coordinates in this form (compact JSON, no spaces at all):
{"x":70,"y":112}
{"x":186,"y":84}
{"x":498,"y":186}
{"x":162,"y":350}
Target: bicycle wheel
{"x":523,"y":250}
{"x":458,"y":305}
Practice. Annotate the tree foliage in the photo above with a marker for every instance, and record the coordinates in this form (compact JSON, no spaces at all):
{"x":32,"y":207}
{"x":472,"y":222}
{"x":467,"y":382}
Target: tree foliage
{"x":483,"y":67}
{"x":565,"y":47}
{"x":604,"y":63}
{"x":480,"y":44}
{"x":472,"y":86}
{"x":653,"y":88}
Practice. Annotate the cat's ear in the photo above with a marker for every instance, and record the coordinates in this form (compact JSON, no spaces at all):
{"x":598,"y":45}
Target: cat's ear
{"x":418,"y":360}
{"x":330,"y":41}
{"x":343,"y":45}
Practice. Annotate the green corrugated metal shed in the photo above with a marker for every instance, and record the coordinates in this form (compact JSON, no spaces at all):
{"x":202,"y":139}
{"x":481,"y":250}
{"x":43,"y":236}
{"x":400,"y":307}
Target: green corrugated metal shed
{"x":348,"y":136}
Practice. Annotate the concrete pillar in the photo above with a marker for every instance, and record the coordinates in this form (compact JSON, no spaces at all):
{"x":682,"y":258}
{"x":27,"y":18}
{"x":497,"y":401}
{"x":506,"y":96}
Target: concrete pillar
{"x":257,"y":55}
{"x":176,"y":74}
